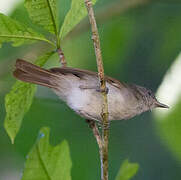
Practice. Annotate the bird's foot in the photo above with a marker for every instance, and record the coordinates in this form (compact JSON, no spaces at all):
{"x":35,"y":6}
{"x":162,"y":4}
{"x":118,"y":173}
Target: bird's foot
{"x":97,"y":88}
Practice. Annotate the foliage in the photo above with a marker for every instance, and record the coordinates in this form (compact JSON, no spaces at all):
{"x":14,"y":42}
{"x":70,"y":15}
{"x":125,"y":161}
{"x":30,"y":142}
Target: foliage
{"x":19,"y":100}
{"x":168,"y":128}
{"x":136,"y":43}
{"x":17,"y":103}
{"x":76,"y":13}
{"x":127,"y":170}
{"x":46,"y":162}
{"x":17,"y":33}
{"x":44,"y":13}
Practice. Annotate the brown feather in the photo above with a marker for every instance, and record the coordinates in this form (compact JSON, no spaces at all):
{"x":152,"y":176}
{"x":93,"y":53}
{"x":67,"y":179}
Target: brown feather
{"x":82,"y":72}
{"x":29,"y":72}
{"x":31,"y":68}
{"x":21,"y":75}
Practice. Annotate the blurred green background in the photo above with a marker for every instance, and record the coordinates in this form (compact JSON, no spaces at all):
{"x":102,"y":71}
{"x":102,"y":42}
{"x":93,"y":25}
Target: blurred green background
{"x":140,"y":40}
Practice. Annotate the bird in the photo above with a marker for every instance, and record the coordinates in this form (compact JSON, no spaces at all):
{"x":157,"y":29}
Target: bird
{"x":80,"y":90}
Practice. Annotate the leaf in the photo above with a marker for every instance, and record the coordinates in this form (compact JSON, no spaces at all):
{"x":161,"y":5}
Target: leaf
{"x":46,"y":162}
{"x":167,"y":122}
{"x":76,"y":13}
{"x":127,"y":170}
{"x":15,"y":32}
{"x":17,"y":103}
{"x":44,"y":13}
{"x":19,"y":100}
{"x":168,"y":128}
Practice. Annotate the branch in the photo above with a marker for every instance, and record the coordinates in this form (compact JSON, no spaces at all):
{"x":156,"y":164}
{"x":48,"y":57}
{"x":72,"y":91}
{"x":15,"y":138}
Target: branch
{"x":104,"y":114}
{"x":93,"y":126}
{"x":62,"y":57}
{"x":113,"y":10}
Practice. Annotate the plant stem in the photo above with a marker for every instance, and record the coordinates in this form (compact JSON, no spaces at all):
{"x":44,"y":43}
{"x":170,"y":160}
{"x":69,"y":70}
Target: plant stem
{"x":93,"y":126}
{"x":62,"y":57}
{"x":104,"y":114}
{"x":111,"y":11}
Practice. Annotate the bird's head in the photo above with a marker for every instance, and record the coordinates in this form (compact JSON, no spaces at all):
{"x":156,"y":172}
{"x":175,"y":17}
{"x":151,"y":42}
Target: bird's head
{"x":149,"y":98}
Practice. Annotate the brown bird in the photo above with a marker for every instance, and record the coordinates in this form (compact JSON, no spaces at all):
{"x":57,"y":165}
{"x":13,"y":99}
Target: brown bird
{"x":80,"y":90}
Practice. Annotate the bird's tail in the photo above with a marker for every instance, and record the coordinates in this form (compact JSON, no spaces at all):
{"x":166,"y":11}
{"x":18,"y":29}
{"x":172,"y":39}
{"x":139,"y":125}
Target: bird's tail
{"x":31,"y":73}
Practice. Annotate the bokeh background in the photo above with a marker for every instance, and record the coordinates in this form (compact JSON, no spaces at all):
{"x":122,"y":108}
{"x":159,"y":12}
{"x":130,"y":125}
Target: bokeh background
{"x":141,"y":42}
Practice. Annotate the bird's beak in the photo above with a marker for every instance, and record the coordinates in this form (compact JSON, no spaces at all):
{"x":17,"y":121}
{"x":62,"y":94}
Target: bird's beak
{"x":158,"y":104}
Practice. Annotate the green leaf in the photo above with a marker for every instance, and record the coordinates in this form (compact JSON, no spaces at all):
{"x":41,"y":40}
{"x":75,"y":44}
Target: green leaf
{"x":44,"y":13}
{"x":127,"y":170}
{"x":17,"y":103}
{"x":76,"y":13}
{"x":19,"y":100}
{"x":169,"y":127}
{"x":46,"y":162}
{"x":15,"y":32}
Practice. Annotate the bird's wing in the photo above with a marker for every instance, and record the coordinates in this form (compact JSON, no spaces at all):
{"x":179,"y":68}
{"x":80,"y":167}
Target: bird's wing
{"x":82,"y":74}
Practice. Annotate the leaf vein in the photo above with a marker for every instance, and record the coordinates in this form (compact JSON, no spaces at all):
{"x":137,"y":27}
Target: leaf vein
{"x":52,"y":17}
{"x":42,"y":162}
{"x":28,"y":37}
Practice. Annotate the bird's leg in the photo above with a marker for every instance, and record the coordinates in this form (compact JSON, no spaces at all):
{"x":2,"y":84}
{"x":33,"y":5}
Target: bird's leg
{"x":106,"y":90}
{"x":99,"y":125}
{"x":88,"y":87}
{"x":105,"y":126}
{"x":97,"y":88}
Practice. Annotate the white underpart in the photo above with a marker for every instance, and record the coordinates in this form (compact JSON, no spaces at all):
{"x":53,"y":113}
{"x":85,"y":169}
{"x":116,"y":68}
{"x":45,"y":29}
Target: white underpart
{"x":77,"y":99}
{"x":169,"y":91}
{"x":7,"y":6}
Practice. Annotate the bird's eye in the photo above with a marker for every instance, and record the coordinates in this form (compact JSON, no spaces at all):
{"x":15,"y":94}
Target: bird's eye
{"x":149,"y":93}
